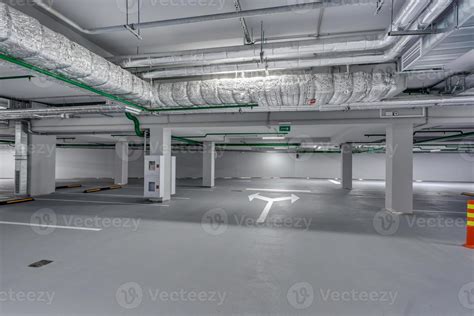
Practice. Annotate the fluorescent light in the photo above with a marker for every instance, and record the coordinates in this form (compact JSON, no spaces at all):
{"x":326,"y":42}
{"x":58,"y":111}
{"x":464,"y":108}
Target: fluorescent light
{"x":3,"y":107}
{"x":334,"y":181}
{"x":132,"y":110}
{"x":280,"y":148}
{"x":273,"y":138}
{"x":436,"y":150}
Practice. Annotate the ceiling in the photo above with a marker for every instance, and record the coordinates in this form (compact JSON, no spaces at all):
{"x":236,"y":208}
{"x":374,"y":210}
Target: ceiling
{"x":210,"y":34}
{"x":94,"y":13}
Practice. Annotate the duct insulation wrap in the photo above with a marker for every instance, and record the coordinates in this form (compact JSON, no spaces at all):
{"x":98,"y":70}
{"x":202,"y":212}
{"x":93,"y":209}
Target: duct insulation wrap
{"x":100,"y":72}
{"x":55,"y":52}
{"x":180,"y":93}
{"x":23,"y":37}
{"x":81,"y":62}
{"x":21,"y":34}
{"x":283,"y":91}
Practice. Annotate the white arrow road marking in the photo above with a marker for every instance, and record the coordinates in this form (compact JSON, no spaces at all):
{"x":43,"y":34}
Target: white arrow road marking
{"x":293,"y":198}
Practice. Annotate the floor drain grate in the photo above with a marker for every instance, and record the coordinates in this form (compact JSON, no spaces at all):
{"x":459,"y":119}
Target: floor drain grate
{"x":40,"y":263}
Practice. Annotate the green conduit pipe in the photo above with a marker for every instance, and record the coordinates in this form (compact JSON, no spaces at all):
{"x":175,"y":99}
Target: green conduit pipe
{"x":136,"y":124}
{"x":109,"y":96}
{"x":140,"y":133}
{"x":235,"y":134}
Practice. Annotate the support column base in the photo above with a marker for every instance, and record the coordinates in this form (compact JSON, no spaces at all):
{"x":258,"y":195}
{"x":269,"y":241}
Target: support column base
{"x":394,"y":212}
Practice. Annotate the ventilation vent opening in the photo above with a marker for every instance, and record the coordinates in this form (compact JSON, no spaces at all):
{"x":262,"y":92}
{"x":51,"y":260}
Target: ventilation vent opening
{"x":412,"y":55}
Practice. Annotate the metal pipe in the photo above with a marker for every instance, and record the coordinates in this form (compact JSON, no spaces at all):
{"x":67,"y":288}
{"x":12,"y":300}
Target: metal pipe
{"x":405,"y":17}
{"x":204,"y":18}
{"x":392,"y":53}
{"x":398,"y":104}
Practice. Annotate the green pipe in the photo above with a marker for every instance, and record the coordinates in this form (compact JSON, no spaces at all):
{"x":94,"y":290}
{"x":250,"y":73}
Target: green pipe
{"x":140,"y":133}
{"x":259,"y":145}
{"x":73,"y":82}
{"x":185,"y":140}
{"x":232,"y":134}
{"x":207,"y":107}
{"x":112,"y":97}
{"x":136,"y":124}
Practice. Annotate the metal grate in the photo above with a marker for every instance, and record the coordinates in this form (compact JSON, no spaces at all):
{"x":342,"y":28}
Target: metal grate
{"x":412,"y":55}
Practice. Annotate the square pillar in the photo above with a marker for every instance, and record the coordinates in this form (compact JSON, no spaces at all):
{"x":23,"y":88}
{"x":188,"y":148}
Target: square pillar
{"x":121,"y":163}
{"x":21,"y":159}
{"x":41,"y":165}
{"x":346,"y":159}
{"x":160,"y":145}
{"x":208,"y":164}
{"x":399,"y":168}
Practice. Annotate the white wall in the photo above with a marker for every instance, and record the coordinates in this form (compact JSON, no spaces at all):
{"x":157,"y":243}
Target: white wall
{"x":7,"y":162}
{"x":98,"y":163}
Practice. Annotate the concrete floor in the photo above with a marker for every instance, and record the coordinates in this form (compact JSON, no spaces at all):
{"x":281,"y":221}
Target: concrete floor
{"x":329,"y":253}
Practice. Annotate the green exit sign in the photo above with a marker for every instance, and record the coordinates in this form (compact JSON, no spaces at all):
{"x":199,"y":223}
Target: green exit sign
{"x":285,"y":128}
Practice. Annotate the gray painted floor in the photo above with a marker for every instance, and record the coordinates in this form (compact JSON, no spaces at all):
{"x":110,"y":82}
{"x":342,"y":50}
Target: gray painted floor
{"x":329,"y":253}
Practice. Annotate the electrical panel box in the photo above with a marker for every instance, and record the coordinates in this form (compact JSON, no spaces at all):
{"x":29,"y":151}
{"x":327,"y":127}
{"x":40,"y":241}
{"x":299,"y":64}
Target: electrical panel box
{"x":173,"y":175}
{"x":154,"y":177}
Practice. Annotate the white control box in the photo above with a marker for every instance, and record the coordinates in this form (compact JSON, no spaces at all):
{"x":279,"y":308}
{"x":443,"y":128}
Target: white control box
{"x":154,"y":177}
{"x":173,"y":175}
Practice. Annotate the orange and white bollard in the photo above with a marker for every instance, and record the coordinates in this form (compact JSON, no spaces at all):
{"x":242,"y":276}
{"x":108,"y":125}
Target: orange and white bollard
{"x":470,"y":225}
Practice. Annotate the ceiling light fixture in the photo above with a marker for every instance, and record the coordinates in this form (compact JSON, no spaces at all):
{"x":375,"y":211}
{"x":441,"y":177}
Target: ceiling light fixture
{"x":273,"y":138}
{"x":132,"y":110}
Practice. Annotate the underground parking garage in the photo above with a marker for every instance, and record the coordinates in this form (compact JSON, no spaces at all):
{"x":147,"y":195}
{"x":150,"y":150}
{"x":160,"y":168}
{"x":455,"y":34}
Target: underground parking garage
{"x":237,"y":157}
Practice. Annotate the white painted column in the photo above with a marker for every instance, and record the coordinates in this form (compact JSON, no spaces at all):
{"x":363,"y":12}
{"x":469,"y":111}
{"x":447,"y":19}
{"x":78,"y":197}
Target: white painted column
{"x":160,"y":145}
{"x":208,"y":164}
{"x":121,"y":163}
{"x":346,"y":161}
{"x":399,"y":168}
{"x":41,"y":165}
{"x":21,"y":159}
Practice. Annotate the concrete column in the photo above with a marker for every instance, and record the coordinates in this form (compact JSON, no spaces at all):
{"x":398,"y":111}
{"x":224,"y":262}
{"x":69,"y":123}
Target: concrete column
{"x":160,"y":145}
{"x":41,"y":165}
{"x":21,"y":159}
{"x":399,"y":168}
{"x":121,"y":163}
{"x":208,"y":164}
{"x":346,"y":159}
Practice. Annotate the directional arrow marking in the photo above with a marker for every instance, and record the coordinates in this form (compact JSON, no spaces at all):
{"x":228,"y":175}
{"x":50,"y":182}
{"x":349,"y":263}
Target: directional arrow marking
{"x":293,"y":198}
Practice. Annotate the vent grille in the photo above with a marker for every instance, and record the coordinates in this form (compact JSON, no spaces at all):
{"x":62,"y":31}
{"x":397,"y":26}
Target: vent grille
{"x":17,"y":182}
{"x":412,"y":55}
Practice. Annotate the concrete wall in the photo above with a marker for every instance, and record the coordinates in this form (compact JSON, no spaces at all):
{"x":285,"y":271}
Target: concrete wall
{"x":7,"y":162}
{"x":98,"y":163}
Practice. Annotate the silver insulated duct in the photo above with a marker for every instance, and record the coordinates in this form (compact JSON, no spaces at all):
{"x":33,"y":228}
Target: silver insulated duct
{"x":310,"y":90}
{"x":23,"y":37}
